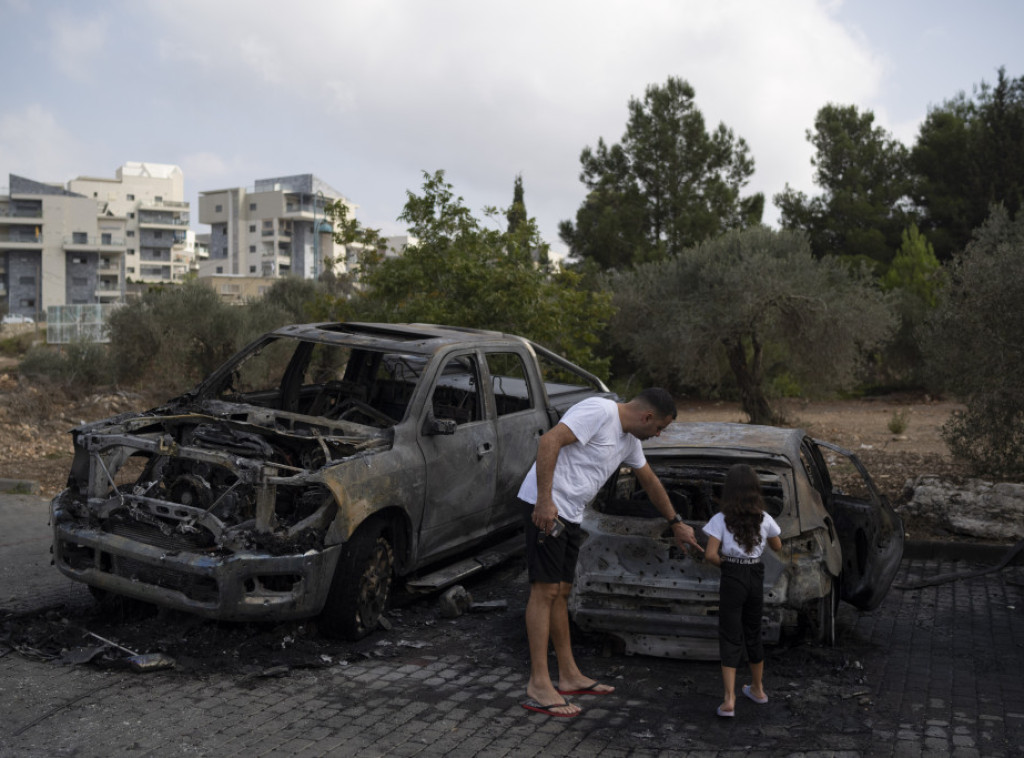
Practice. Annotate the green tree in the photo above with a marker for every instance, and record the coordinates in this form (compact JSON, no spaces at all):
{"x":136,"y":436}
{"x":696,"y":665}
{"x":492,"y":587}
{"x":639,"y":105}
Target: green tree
{"x":862,"y":172}
{"x":752,"y":303}
{"x":968,"y":156}
{"x":669,"y":184}
{"x":975,"y":347}
{"x":462,"y":273}
{"x":916,"y":280}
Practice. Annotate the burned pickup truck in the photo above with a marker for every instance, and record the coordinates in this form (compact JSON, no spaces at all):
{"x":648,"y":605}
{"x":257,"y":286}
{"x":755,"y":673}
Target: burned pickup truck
{"x":314,"y":469}
{"x":841,"y":538}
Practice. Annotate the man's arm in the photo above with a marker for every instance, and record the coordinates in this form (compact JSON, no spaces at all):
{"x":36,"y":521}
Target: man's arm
{"x":656,"y":492}
{"x":548,"y":447}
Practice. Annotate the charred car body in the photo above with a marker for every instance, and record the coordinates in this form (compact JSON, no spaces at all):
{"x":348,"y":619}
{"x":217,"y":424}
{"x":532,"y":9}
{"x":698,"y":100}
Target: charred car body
{"x":310,"y":471}
{"x":839,"y":543}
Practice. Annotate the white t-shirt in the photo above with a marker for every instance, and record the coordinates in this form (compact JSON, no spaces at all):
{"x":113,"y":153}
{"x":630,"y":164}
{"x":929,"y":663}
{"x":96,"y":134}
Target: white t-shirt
{"x":585,"y":465}
{"x":716,"y":528}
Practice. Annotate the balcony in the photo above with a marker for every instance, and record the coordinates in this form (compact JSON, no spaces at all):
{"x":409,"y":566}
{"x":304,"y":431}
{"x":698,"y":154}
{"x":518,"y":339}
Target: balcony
{"x":22,"y":210}
{"x":16,"y":238}
{"x":162,"y":220}
{"x":158,"y":204}
{"x":82,"y":241}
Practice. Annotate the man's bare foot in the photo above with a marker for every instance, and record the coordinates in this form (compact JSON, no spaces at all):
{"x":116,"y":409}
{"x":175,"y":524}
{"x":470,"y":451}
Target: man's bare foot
{"x":584,"y":687}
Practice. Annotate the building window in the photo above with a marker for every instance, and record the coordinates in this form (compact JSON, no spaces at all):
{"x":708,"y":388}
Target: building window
{"x":131,"y":196}
{"x":105,"y":239}
{"x":252,"y":206}
{"x":130,"y":251}
{"x":220,"y":269}
{"x":26,"y":281}
{"x":27,"y":303}
{"x":252,"y":248}
{"x":79,"y":238}
{"x":79,"y":281}
{"x":252,"y":269}
{"x":131,"y":214}
{"x":252,"y":227}
{"x":130,"y":233}
{"x":218,"y":209}
{"x":157,"y":234}
{"x":79,"y":259}
{"x":159,"y":198}
{"x":130,"y":269}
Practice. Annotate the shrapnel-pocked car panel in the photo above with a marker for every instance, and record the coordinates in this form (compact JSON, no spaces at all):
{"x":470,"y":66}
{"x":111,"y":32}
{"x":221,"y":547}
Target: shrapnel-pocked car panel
{"x":634,"y":584}
{"x":312,"y":469}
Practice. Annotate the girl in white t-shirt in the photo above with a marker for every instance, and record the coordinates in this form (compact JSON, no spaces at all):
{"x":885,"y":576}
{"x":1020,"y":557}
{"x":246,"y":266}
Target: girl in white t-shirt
{"x":737,"y":535}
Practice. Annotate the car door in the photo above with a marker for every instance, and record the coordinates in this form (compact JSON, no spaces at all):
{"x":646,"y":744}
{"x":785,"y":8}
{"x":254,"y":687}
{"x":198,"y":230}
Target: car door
{"x":869,"y":529}
{"x":520,"y":420}
{"x":458,"y":442}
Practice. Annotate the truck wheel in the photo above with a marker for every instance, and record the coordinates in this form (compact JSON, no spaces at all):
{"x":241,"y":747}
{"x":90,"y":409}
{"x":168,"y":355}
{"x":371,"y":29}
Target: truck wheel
{"x":361,"y":587}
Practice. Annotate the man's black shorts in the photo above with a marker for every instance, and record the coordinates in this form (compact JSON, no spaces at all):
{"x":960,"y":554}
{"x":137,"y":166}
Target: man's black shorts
{"x":553,"y":560}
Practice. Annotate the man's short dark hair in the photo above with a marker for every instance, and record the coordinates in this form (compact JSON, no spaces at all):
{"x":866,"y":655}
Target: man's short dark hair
{"x":658,"y":400}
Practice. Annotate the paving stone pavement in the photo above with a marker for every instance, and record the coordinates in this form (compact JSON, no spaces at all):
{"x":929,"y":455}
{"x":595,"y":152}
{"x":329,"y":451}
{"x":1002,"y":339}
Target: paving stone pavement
{"x":937,"y":671}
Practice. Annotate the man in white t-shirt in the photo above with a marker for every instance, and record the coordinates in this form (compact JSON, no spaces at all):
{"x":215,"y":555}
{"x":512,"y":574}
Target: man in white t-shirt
{"x":574,"y":459}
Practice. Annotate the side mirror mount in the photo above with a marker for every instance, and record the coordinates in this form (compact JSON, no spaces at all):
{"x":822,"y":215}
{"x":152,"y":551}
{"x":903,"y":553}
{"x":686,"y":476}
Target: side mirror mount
{"x":435,"y":426}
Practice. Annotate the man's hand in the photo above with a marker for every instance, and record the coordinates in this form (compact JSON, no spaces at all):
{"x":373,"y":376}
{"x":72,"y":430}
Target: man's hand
{"x":544,"y":513}
{"x":684,"y":535}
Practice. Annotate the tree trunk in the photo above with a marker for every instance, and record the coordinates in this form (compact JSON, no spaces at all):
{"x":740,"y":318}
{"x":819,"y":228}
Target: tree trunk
{"x":749,"y":380}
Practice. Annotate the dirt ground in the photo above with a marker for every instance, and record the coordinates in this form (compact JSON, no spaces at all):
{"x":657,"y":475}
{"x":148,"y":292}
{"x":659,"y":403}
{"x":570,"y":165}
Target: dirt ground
{"x":35,"y":444}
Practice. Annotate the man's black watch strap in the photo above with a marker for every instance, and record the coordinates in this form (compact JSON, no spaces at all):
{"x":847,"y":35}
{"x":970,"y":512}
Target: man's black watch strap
{"x":677,"y":519}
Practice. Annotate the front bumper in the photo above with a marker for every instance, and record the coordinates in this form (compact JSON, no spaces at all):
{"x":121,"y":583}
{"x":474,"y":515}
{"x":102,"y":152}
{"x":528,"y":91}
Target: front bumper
{"x":229,"y":586}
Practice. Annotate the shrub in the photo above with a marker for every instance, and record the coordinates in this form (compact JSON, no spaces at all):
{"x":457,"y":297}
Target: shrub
{"x":975,"y":347}
{"x":898,"y":422}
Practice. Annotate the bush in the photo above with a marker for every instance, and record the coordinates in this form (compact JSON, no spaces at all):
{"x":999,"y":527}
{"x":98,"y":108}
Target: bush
{"x":975,"y":348}
{"x":82,"y":365}
{"x":175,"y":336}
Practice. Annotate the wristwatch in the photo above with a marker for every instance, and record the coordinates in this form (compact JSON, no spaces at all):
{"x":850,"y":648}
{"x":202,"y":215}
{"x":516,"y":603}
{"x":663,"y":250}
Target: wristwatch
{"x":677,"y":519}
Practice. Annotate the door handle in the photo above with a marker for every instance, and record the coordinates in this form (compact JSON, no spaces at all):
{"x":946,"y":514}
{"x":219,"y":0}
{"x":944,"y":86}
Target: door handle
{"x":483,"y":450}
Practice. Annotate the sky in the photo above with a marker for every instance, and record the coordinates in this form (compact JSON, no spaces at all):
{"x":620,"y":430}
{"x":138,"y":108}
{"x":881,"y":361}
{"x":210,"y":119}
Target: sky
{"x":371,"y":94}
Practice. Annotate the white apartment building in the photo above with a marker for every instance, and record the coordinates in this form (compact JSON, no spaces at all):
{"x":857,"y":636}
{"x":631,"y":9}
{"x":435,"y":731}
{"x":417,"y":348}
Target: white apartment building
{"x":276,"y":228}
{"x":56,"y":250}
{"x":150,"y":199}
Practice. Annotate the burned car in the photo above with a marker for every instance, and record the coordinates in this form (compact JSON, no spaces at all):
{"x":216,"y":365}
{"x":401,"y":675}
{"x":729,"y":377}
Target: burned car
{"x":313,"y":470}
{"x":841,"y":538}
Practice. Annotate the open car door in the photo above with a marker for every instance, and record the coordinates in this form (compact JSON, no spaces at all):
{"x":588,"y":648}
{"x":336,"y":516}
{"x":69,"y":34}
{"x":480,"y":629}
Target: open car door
{"x":870,"y":531}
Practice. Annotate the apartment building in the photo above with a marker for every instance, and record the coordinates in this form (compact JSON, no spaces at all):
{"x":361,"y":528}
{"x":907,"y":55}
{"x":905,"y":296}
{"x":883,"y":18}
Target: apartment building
{"x":55,"y":249}
{"x":150,"y":198}
{"x":276,"y":228}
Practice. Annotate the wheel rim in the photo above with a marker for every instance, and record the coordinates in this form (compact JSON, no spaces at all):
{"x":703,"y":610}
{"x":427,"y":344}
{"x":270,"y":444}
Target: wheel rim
{"x":375,"y":585}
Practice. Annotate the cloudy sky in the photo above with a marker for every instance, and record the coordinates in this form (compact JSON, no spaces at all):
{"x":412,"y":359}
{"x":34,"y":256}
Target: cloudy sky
{"x":369,"y":94}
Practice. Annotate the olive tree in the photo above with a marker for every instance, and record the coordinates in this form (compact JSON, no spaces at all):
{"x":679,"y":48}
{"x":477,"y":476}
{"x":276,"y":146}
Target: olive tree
{"x":975,"y":347}
{"x":755,"y":304}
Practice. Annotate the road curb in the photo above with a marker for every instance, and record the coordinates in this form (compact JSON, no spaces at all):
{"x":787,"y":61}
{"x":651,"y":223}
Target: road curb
{"x":929,"y":550}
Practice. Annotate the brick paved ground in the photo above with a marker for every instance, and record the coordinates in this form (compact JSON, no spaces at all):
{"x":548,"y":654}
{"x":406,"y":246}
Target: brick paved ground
{"x":934,"y":672}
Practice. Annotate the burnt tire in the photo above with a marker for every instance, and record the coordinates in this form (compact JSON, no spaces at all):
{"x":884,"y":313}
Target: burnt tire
{"x":362,"y":585}
{"x":828,"y":607}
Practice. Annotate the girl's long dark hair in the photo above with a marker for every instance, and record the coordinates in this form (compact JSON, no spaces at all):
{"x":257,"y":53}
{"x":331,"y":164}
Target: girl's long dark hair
{"x":742,"y":505}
